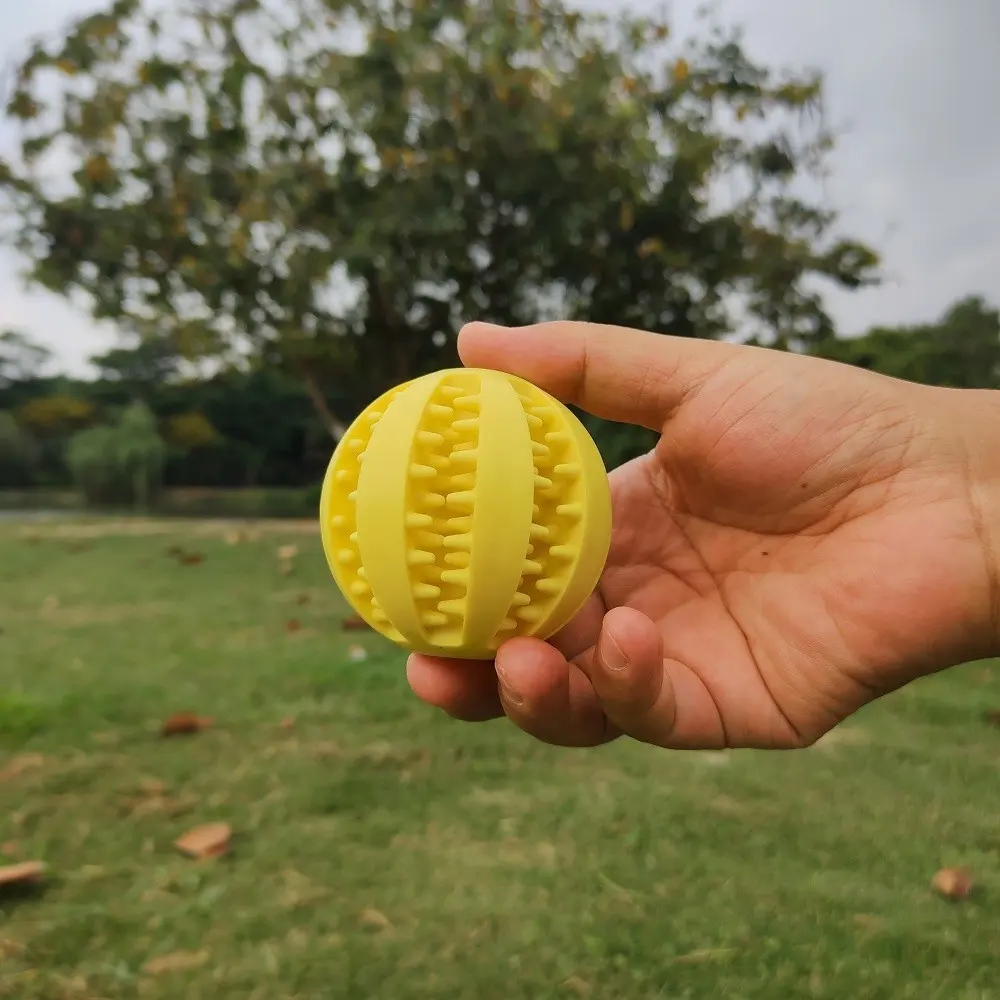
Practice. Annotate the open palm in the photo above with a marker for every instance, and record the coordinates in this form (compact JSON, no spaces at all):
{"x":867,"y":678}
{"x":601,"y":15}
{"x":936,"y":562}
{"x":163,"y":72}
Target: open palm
{"x":802,"y":539}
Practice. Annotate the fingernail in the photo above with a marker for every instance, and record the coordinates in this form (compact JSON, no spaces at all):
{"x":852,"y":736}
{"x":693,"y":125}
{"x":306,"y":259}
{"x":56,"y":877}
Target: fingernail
{"x":611,"y":653}
{"x":509,"y":695}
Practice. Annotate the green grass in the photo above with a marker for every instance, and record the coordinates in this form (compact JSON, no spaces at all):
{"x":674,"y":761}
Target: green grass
{"x":234,"y":502}
{"x":383,"y":851}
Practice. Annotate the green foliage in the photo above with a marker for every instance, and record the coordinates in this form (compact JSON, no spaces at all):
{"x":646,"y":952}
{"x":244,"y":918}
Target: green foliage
{"x":21,"y":358}
{"x":336,"y":184}
{"x":961,"y":349}
{"x":190,"y":431}
{"x":56,"y":415}
{"x":19,"y":453}
{"x":139,"y":366}
{"x":121,"y":463}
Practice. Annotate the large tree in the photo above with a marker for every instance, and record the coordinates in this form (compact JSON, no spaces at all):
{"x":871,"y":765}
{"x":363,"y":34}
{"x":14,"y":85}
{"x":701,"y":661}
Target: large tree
{"x":21,"y":358}
{"x":335,"y":185}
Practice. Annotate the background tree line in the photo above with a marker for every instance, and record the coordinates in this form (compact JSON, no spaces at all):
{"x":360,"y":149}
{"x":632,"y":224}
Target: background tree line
{"x":308,"y":197}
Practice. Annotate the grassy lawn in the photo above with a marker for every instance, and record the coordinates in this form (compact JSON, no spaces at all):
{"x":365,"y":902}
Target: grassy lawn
{"x":380,"y":850}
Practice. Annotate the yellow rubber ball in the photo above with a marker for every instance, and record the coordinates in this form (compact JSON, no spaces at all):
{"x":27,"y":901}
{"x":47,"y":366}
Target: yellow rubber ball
{"x":465,"y":508}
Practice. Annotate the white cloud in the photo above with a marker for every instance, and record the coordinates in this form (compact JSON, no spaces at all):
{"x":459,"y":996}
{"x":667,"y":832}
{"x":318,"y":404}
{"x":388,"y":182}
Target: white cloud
{"x":917,"y":171}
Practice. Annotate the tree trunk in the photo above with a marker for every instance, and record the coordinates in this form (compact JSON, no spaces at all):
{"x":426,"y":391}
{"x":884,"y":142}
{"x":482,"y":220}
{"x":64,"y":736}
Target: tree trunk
{"x":334,"y":425}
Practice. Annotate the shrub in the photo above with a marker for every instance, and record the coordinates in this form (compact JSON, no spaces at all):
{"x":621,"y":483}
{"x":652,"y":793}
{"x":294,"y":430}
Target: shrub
{"x":18,"y":454}
{"x":121,"y":463}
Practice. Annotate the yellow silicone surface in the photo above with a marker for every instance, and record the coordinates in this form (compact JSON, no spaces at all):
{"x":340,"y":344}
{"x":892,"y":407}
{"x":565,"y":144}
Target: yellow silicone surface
{"x":464,"y":508}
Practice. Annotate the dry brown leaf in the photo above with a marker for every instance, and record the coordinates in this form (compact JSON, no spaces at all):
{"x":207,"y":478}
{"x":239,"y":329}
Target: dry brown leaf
{"x":375,"y":919}
{"x":156,"y":803}
{"x":9,"y":848}
{"x":578,"y":986}
{"x":191,"y":558}
{"x":207,"y":841}
{"x":24,"y":873}
{"x":186,"y":723}
{"x":18,"y":765}
{"x":953,"y":883}
{"x":293,"y":625}
{"x":287,"y":552}
{"x":176,"y":961}
{"x":300,"y":891}
{"x":287,"y":723}
{"x":704,"y":955}
{"x":992,"y":717}
{"x":302,"y":599}
{"x":354,"y":623}
{"x":9,"y":948}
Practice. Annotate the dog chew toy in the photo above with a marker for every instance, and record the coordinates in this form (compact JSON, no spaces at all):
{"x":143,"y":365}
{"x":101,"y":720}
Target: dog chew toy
{"x":464,"y":508}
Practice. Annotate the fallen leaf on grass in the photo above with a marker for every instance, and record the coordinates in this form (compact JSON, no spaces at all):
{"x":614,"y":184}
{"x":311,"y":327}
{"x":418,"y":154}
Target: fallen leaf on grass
{"x":287,"y":723}
{"x":9,"y":848}
{"x":953,"y":883}
{"x":25,"y":873}
{"x":17,"y":766}
{"x":186,"y":723}
{"x":287,"y":552}
{"x":156,"y":803}
{"x":176,"y":961}
{"x":9,"y":948}
{"x":207,"y":841}
{"x":992,"y":717}
{"x":374,"y":919}
{"x":293,"y":625}
{"x":300,"y":891}
{"x":234,"y":537}
{"x":354,"y":624}
{"x":356,"y":654}
{"x":302,"y":599}
{"x":704,"y":955}
{"x":191,"y":559}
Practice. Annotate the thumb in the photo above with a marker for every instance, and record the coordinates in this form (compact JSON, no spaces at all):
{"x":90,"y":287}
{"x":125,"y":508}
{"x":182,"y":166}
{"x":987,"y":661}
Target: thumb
{"x":647,"y":695}
{"x":610,"y":371}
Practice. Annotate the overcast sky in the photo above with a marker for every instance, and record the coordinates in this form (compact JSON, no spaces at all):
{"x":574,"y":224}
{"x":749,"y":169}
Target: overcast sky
{"x":912,"y":84}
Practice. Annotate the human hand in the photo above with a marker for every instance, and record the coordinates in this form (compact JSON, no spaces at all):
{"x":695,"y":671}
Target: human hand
{"x":805,"y":537}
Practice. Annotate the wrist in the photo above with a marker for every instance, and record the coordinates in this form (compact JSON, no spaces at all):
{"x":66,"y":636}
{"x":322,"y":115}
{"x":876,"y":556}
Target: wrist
{"x":978,"y":423}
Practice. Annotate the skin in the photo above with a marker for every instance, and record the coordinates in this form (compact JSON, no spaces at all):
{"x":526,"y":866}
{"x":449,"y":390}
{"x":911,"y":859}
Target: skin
{"x":804,"y":538}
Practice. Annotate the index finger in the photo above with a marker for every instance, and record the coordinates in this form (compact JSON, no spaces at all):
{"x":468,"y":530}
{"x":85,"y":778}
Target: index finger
{"x":613,"y":372}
